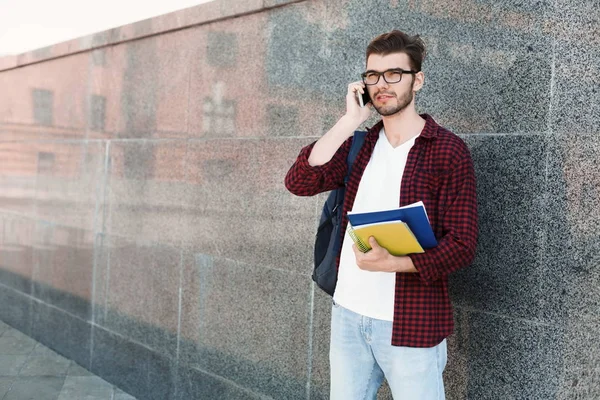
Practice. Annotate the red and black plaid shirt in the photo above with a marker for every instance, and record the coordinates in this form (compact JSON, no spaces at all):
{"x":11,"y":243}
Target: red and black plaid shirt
{"x":439,"y":172}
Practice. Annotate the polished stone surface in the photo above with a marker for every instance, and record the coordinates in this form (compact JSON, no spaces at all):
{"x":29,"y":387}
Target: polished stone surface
{"x":233,"y":7}
{"x":63,"y":268}
{"x":574,"y":219}
{"x":65,"y":333}
{"x":140,"y":300}
{"x":472,"y":70}
{"x":152,"y":85}
{"x":131,"y":366}
{"x":18,"y":177}
{"x":195,"y":384}
{"x":227,"y":303}
{"x":239,"y":205}
{"x":17,"y":244}
{"x":228,"y":93}
{"x":507,"y":270}
{"x":320,"y":345}
{"x":16,"y":309}
{"x":56,"y":182}
{"x":576,"y":103}
{"x":70,"y":183}
{"x":145,"y":190}
{"x":47,"y":99}
{"x":580,"y":376}
{"x":502,"y":357}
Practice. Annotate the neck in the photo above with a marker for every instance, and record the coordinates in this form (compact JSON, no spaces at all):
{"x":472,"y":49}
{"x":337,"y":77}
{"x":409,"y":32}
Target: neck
{"x":403,"y":125}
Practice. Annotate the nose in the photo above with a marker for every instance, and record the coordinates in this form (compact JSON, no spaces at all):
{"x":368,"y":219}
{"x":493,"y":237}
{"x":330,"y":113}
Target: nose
{"x":381,"y":84}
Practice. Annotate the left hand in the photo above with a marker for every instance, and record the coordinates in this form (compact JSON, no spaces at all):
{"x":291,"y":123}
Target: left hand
{"x":376,"y":259}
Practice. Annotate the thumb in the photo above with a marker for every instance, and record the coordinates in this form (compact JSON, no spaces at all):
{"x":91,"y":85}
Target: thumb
{"x":373,"y":242}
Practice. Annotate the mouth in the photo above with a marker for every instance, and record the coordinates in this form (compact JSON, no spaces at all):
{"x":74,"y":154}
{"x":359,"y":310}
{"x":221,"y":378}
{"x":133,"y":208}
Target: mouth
{"x":384,"y":97}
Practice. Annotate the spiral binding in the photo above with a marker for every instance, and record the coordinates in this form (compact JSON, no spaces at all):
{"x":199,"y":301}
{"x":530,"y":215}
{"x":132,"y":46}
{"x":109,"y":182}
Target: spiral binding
{"x":362,"y":246}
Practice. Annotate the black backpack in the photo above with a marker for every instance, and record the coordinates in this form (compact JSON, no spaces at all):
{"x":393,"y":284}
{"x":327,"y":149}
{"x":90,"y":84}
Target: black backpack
{"x":328,"y":238}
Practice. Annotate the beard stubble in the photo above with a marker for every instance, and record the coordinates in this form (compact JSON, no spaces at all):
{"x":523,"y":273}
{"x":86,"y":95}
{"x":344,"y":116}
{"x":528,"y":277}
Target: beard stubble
{"x":401,"y":102}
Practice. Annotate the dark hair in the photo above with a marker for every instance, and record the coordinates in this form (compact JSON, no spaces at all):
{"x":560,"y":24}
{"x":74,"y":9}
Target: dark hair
{"x":399,"y":42}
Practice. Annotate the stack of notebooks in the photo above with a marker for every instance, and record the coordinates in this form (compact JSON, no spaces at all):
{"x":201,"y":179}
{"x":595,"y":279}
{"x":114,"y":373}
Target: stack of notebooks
{"x":401,"y":231}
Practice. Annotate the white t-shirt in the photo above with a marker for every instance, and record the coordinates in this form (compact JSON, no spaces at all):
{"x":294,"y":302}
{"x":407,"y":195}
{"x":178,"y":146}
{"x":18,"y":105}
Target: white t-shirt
{"x":368,"y":293}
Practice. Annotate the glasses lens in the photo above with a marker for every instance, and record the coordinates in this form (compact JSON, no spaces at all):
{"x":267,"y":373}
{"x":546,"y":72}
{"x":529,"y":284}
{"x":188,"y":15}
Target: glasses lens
{"x":371,"y":78}
{"x":392,"y":76}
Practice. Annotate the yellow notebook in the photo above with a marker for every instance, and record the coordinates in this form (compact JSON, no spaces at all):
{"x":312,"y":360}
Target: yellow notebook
{"x":395,"y":236}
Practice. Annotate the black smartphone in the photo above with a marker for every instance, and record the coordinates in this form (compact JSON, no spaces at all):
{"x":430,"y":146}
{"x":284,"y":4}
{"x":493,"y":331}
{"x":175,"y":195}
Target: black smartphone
{"x":363,"y":98}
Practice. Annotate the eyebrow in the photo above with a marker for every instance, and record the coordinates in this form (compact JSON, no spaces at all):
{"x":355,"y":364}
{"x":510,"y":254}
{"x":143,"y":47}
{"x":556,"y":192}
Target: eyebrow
{"x":389,"y":69}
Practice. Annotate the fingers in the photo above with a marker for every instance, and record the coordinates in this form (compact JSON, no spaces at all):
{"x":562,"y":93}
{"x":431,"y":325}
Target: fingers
{"x":359,"y":257}
{"x":356,"y":87}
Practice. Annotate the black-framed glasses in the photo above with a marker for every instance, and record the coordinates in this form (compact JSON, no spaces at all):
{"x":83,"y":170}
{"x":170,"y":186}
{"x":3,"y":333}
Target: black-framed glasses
{"x":393,"y":75}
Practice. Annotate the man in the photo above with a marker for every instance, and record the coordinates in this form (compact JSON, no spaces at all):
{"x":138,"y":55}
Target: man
{"x":391,"y":315}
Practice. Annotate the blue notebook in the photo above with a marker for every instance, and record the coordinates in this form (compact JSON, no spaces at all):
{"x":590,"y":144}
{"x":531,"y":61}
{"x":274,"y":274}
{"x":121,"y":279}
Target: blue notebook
{"x":414,"y":215}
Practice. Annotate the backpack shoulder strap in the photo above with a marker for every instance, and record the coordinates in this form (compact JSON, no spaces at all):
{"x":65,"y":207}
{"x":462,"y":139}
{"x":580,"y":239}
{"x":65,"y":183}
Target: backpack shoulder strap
{"x":357,"y":141}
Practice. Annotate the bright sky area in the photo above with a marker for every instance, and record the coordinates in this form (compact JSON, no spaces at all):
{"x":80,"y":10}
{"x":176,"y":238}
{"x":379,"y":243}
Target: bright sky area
{"x":30,"y":24}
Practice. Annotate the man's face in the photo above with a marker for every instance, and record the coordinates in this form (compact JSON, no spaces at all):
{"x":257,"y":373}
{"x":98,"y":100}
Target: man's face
{"x":391,"y":98}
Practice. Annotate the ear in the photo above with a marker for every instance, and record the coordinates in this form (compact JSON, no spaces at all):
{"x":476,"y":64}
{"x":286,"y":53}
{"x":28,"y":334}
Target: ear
{"x":419,"y":81}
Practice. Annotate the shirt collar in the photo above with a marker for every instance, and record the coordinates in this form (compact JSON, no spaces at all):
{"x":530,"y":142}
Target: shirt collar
{"x":430,"y":130}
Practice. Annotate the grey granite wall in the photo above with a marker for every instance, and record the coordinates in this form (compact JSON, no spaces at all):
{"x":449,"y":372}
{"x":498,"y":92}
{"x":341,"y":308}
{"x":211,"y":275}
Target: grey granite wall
{"x":145,"y":231}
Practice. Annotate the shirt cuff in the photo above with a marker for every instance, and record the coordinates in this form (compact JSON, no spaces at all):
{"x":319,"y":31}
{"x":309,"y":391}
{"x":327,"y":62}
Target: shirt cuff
{"x":422,"y":263}
{"x":302,"y":161}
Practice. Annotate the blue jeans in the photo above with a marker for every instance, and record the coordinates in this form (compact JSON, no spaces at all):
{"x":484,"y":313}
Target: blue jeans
{"x":361,"y":355}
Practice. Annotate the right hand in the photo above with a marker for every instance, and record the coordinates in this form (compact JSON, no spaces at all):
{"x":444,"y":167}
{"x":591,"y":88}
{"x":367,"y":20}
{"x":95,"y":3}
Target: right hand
{"x":353,"y":109}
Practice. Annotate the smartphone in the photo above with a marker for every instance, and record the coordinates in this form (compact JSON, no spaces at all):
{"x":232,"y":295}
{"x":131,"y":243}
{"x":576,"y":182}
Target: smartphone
{"x":363,"y":98}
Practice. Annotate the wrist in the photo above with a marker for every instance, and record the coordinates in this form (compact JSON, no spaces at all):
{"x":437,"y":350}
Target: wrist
{"x":402,"y":264}
{"x":394,"y":263}
{"x":350,"y":122}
